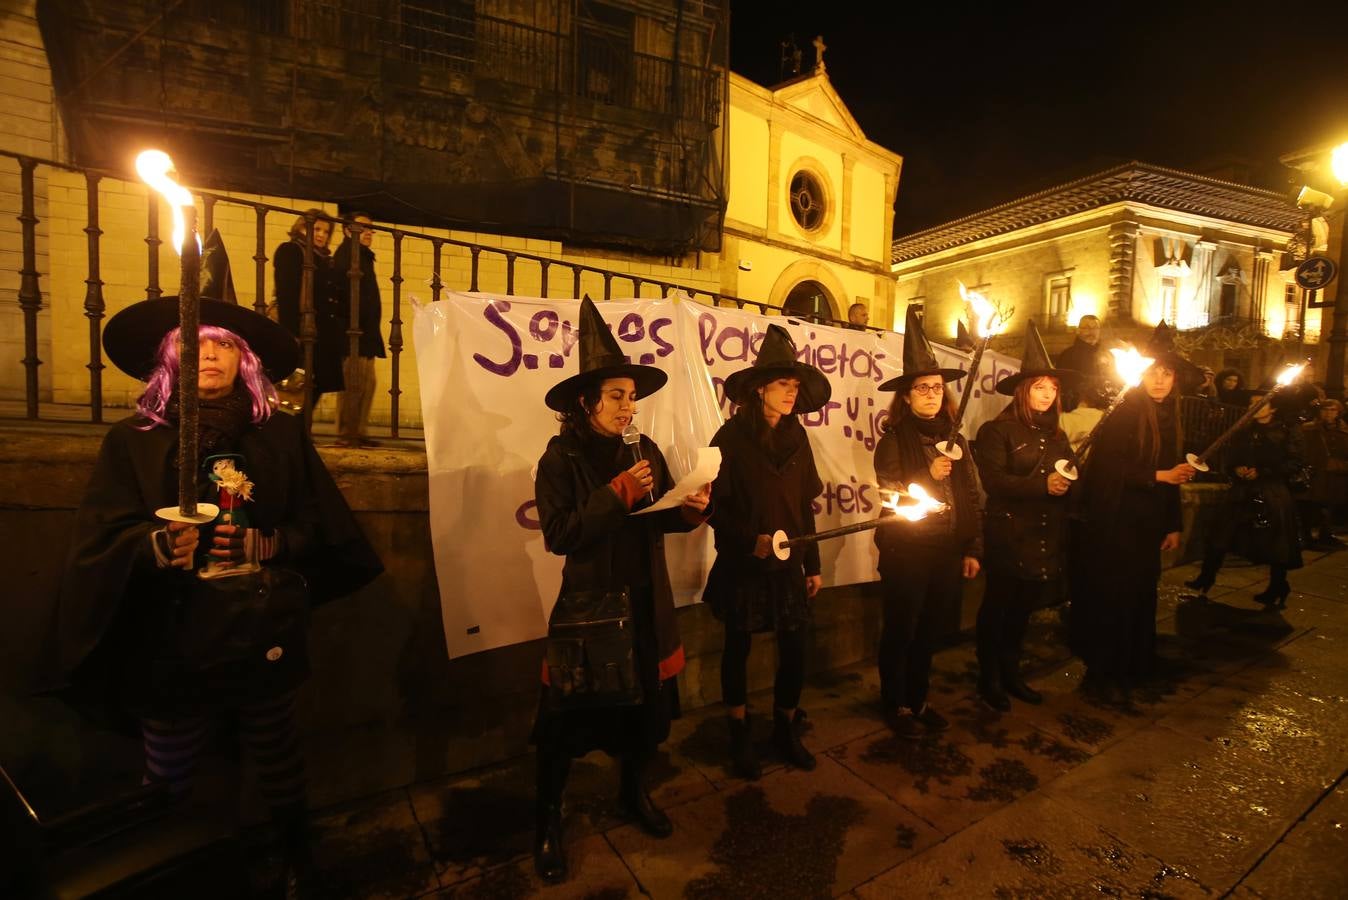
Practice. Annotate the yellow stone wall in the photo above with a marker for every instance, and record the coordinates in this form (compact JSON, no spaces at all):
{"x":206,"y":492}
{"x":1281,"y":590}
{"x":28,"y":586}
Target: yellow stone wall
{"x":774,"y":132}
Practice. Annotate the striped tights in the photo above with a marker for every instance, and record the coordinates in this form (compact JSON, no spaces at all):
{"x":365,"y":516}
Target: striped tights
{"x":173,"y":746}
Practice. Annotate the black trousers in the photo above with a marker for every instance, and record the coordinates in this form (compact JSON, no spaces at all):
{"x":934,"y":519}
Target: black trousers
{"x":790,"y":668}
{"x":1003,"y":617}
{"x":1212,"y":564}
{"x":917,"y":589}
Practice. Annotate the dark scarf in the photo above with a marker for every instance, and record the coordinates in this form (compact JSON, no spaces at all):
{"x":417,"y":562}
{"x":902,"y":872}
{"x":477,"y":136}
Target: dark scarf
{"x":777,"y":444}
{"x":909,"y":431}
{"x":220,"y":422}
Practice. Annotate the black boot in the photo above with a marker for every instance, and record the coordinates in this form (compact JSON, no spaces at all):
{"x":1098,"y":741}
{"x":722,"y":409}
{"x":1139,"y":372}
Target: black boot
{"x":1207,"y":576}
{"x":787,"y":741}
{"x":1015,"y":685}
{"x":636,"y":800}
{"x":299,"y":876}
{"x":743,"y":756}
{"x":549,"y":852}
{"x":1275,"y":595}
{"x":990,"y":689}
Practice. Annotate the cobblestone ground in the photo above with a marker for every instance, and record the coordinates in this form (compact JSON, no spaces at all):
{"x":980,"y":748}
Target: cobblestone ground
{"x":1224,"y":777}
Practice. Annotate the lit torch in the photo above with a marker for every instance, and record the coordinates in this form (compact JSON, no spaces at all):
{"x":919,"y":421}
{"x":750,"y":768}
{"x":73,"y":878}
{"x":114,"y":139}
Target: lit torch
{"x":1130,"y":365}
{"x":1200,"y":462}
{"x":154,"y":168}
{"x":922,"y":506}
{"x":988,"y":322}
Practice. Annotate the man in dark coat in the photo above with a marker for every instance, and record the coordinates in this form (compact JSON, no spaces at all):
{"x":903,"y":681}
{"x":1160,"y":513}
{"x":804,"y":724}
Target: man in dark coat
{"x":358,"y":379}
{"x":1082,"y":357}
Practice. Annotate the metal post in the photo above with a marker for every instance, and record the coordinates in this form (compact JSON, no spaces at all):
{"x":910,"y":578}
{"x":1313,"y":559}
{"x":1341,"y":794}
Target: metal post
{"x":436,"y":283}
{"x":543,"y":277}
{"x":472,"y":281}
{"x":152,"y":240}
{"x":30,"y":295}
{"x":308,"y":322}
{"x":395,"y":333}
{"x":93,"y":302}
{"x":353,"y":275}
{"x":510,"y":274}
{"x":260,"y":259}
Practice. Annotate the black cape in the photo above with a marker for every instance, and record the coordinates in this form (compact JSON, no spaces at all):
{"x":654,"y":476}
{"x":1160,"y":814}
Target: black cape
{"x":118,"y":613}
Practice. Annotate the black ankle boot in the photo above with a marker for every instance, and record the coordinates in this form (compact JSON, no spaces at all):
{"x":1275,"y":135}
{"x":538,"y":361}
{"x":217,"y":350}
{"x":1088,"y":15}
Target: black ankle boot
{"x":787,"y":741}
{"x":743,"y":756}
{"x":1015,"y":685}
{"x":1274,"y":596}
{"x":549,"y":851}
{"x":990,"y":690}
{"x":636,"y":800}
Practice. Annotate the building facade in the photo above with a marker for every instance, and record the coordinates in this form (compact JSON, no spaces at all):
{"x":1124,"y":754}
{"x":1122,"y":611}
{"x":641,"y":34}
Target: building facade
{"x":1134,"y":244}
{"x":804,"y":220}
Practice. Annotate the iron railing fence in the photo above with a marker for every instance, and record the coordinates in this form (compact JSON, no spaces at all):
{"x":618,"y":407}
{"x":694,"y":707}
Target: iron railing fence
{"x":30,"y":298}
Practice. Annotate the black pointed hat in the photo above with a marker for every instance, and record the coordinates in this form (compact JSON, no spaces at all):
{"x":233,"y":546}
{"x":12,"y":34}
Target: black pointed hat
{"x":1036,"y":363}
{"x":132,"y":336}
{"x":1161,"y":347}
{"x":777,"y":358}
{"x":918,"y":357}
{"x":963,"y":340}
{"x":600,"y":358}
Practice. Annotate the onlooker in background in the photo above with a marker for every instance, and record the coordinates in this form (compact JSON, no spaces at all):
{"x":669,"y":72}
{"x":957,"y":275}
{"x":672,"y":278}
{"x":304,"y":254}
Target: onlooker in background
{"x":288,"y":264}
{"x":1083,"y":356}
{"x":353,"y":409}
{"x":1208,"y":386}
{"x":1327,"y":454}
{"x":1230,"y":387}
{"x":858,"y":316}
{"x":1091,"y":403}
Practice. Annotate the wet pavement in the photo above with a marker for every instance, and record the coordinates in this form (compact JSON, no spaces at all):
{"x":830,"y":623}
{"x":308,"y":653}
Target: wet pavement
{"x":1223,"y":776}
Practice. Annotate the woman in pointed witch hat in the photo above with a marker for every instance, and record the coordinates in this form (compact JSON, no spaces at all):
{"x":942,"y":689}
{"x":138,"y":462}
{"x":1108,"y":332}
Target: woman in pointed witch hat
{"x":136,"y":621}
{"x":1130,"y":509}
{"x":1259,"y":516}
{"x":922,"y":564}
{"x":1025,"y":523}
{"x":586,"y":486}
{"x":767,"y":482}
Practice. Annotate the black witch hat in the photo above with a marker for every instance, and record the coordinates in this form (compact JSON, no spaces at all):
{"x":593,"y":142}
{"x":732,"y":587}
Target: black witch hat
{"x":600,"y":358}
{"x":1161,"y":347}
{"x":132,"y":336}
{"x":963,"y":340}
{"x":777,"y":359}
{"x":1036,"y":363}
{"x":918,"y":357}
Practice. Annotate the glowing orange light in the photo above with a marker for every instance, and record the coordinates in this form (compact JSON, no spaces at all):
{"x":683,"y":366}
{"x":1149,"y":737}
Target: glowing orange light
{"x":153,"y":167}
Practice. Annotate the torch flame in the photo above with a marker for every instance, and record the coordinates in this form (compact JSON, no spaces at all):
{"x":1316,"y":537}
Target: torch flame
{"x":1130,"y":365}
{"x":986,"y":319}
{"x":153,"y":167}
{"x":923,"y":506}
{"x":1291,"y":374}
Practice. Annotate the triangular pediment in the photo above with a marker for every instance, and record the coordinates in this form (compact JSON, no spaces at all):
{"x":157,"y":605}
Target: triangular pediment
{"x":814,"y":95}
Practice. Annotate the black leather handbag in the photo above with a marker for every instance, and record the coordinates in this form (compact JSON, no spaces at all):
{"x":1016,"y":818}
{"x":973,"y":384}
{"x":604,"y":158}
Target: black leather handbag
{"x":591,"y":653}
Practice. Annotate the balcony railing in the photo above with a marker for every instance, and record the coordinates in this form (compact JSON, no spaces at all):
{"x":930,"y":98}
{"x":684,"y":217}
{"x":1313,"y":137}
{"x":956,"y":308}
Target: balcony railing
{"x":515,"y":262}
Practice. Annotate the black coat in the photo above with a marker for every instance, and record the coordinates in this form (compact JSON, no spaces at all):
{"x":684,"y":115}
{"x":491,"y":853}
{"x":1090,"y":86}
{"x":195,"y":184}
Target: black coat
{"x":329,"y":318}
{"x":1327,"y":455}
{"x":120,"y":617}
{"x":1260,"y":518}
{"x":1125,"y":514}
{"x":760,"y":492}
{"x":371,"y":305}
{"x":1024,"y":527}
{"x":963,"y":529}
{"x":584,"y":520}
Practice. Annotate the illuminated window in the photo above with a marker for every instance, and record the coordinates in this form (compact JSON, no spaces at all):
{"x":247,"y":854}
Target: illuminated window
{"x":1058,"y":302}
{"x":1169,"y":298}
{"x":808,"y":201}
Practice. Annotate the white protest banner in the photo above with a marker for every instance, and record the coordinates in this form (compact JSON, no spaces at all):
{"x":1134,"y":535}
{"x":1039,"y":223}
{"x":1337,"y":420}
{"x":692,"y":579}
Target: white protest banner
{"x":485,"y":363}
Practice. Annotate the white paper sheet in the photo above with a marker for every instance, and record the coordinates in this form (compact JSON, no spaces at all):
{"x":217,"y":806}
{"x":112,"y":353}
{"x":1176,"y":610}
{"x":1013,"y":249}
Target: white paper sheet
{"x":706,"y":468}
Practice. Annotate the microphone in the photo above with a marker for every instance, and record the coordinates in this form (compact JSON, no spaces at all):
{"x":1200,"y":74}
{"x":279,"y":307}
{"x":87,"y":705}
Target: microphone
{"x":632,"y":438}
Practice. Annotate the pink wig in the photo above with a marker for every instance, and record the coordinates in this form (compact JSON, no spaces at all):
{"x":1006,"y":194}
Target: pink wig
{"x":163,"y":381}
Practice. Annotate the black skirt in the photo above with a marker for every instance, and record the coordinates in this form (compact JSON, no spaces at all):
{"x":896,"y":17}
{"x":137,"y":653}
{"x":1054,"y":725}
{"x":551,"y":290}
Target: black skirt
{"x":774,"y":600}
{"x":620,"y":730}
